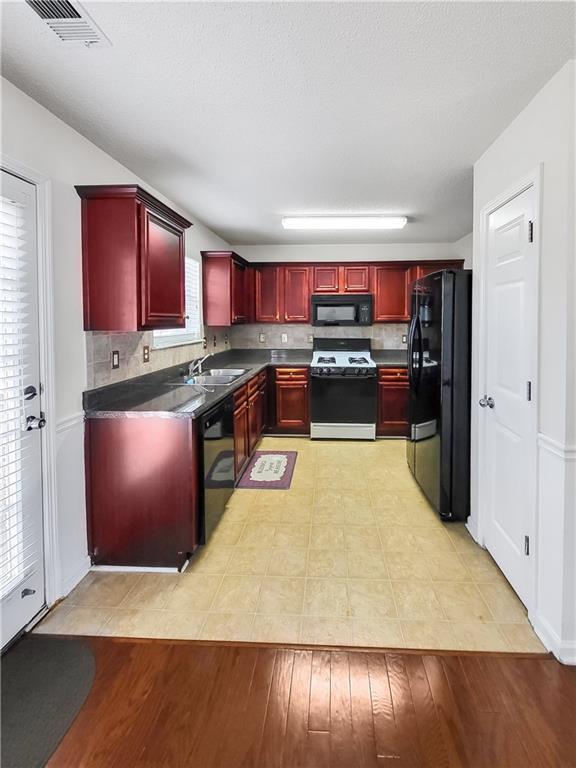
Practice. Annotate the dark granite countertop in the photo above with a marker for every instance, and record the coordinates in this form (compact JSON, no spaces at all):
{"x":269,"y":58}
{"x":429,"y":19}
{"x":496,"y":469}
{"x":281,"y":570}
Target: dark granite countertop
{"x":393,"y":358}
{"x":159,"y":393}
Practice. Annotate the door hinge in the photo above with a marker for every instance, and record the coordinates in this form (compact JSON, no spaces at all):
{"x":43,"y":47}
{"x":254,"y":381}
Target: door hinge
{"x":530,"y":231}
{"x":529,"y":391}
{"x":526,"y":545}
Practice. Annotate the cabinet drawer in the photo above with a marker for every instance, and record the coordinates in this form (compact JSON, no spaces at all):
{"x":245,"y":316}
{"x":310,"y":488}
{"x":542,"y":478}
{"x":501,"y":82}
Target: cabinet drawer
{"x":261,"y":378}
{"x":291,"y":374}
{"x":393,"y":374}
{"x":240,"y":396}
{"x":252,"y":386}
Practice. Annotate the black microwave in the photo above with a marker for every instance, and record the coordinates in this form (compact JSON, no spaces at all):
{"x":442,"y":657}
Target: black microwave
{"x":341,"y":309}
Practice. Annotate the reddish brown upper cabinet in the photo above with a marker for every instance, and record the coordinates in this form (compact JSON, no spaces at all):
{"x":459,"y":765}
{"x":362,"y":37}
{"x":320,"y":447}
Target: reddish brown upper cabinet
{"x":296,"y":294}
{"x":227,"y":288}
{"x":393,"y":398}
{"x":142,"y":491}
{"x":428,"y":267}
{"x":269,"y":294}
{"x":132,"y":260}
{"x":355,"y":278}
{"x":325,"y":279}
{"x":391,"y":285}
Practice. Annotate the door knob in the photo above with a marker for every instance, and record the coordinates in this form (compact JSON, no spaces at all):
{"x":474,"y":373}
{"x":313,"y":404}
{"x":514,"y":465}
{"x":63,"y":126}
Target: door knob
{"x":486,"y":402}
{"x":35,"y":422}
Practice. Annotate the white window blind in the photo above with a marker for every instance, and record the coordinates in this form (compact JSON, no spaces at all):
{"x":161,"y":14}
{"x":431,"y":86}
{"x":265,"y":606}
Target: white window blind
{"x":170,"y":337}
{"x":18,"y":534}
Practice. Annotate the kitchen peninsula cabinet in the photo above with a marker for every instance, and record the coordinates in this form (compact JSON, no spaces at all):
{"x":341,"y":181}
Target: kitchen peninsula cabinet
{"x":142,"y":490}
{"x":393,"y":400}
{"x":291,"y":396}
{"x":132,"y":260}
{"x":227,"y":289}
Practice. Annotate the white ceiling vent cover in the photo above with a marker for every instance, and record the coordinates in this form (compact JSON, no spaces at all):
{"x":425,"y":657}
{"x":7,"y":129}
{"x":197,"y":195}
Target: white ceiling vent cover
{"x":71,"y":23}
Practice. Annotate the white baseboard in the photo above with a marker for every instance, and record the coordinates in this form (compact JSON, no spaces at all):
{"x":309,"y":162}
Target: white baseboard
{"x":132,"y":569}
{"x":565,"y":651}
{"x":472,"y":527}
{"x":75,"y":577}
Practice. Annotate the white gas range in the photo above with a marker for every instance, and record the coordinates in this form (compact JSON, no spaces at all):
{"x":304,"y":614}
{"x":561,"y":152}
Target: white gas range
{"x":343,"y":390}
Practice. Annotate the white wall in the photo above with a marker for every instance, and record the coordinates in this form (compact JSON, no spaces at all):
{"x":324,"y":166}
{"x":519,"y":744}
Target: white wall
{"x":360,"y":252}
{"x":34,"y":137}
{"x":543,"y":133}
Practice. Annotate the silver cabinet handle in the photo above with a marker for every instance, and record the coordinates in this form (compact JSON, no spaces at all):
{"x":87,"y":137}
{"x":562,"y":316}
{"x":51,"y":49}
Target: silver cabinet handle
{"x":486,"y":402}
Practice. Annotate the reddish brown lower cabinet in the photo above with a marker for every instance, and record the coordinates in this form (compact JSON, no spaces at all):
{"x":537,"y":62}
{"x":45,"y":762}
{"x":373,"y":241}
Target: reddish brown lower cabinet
{"x":142,"y":490}
{"x":241,"y":430}
{"x":291,"y":400}
{"x":393,"y":399}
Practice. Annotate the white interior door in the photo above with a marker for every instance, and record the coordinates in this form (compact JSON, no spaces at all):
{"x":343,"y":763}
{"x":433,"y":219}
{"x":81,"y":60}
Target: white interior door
{"x":509,"y":412}
{"x":21,"y":510}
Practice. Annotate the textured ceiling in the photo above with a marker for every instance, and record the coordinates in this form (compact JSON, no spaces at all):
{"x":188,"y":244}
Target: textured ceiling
{"x":242,"y":112}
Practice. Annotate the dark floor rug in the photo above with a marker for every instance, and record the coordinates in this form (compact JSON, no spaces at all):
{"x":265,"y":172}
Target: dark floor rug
{"x":44,"y":681}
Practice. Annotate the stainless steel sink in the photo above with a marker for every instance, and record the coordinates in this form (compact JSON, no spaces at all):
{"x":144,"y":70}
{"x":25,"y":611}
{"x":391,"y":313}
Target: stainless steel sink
{"x":224,"y":372}
{"x":211,"y":380}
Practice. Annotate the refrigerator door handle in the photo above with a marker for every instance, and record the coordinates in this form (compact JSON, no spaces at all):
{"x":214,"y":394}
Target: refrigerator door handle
{"x":418,"y":329}
{"x":411,"y":352}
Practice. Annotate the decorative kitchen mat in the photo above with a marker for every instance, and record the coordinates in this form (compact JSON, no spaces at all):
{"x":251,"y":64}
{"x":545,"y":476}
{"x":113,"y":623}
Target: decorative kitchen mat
{"x":270,"y":470}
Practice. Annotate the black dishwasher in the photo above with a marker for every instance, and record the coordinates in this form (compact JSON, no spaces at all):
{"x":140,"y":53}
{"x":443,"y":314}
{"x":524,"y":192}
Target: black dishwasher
{"x":217,"y":436}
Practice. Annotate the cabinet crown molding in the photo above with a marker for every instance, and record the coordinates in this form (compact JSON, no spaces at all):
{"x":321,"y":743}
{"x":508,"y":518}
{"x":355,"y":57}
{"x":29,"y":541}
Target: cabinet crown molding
{"x":136,"y":192}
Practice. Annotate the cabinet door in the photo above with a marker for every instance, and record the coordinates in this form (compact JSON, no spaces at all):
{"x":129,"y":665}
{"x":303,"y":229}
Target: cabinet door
{"x":393,"y":398}
{"x":297,"y":294}
{"x":325,"y":279}
{"x":161,"y":272}
{"x":238,"y":290}
{"x":427,"y":268}
{"x":268,"y":295}
{"x":152,"y":522}
{"x":240,"y":438}
{"x":391,"y":293}
{"x":355,"y":279}
{"x":253,"y":422}
{"x":292,"y":405}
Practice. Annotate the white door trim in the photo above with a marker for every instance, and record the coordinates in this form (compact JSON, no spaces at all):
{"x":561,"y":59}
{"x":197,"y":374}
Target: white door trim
{"x":46,"y":339}
{"x":478,"y":521}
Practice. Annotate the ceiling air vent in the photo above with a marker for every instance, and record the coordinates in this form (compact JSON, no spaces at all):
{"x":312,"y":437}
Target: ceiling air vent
{"x":71,"y":23}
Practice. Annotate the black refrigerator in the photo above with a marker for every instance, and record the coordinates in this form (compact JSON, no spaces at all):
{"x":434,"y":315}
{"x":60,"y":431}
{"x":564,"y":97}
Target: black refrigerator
{"x":439,"y":345}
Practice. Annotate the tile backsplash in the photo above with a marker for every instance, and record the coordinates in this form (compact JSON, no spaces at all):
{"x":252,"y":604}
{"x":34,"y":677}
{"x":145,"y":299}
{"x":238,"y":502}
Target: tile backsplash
{"x":383,"y":336}
{"x":99,"y":346}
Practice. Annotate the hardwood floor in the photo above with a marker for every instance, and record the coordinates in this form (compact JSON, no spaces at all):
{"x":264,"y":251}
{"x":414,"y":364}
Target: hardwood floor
{"x":168,"y":704}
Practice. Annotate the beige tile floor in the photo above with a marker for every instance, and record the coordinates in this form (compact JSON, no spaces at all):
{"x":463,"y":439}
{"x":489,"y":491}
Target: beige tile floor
{"x":351,"y":554}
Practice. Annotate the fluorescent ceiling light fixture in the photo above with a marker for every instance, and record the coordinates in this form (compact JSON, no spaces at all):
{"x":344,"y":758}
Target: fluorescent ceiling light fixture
{"x":344,"y":222}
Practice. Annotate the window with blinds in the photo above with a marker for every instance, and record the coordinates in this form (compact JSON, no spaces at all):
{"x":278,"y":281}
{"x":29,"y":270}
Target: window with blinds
{"x":170,"y":337}
{"x":19,"y":534}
